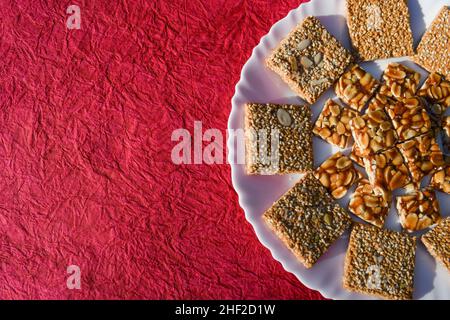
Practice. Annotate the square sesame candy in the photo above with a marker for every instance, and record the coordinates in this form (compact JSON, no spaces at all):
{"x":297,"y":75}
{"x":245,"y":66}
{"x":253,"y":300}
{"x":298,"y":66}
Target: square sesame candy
{"x":418,"y":210}
{"x":373,"y":132}
{"x":433,"y":53}
{"x":387,"y":171}
{"x":307,"y":220}
{"x":380,"y":262}
{"x":380,"y":29}
{"x":333,"y":124}
{"x":436,"y":93}
{"x":437,"y":242}
{"x":309,"y":60}
{"x":423,"y":156}
{"x":409,"y":117}
{"x":355,"y":87}
{"x":399,"y":81}
{"x":441,"y":180}
{"x":278,"y":139}
{"x":356,"y":155}
{"x":337,"y":174}
{"x":368,"y":205}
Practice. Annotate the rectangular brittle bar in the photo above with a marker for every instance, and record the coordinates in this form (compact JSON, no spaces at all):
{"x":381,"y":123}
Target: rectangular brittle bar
{"x":373,"y":132}
{"x":368,"y":205}
{"x":418,"y":210}
{"x":380,"y":262}
{"x":278,"y":139}
{"x":387,"y":171}
{"x":337,"y":174}
{"x":399,"y":81}
{"x":433,"y":53}
{"x":333,"y":124}
{"x":437,"y":242}
{"x":441,"y":180}
{"x":409,"y":117}
{"x":423,"y":156}
{"x":310,"y":59}
{"x":380,"y":29}
{"x":355,"y":87}
{"x":356,"y":155}
{"x":436,"y":92}
{"x":307,"y":220}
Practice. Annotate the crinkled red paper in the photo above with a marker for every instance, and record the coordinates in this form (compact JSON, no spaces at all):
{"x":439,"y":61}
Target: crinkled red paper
{"x":86,"y":175}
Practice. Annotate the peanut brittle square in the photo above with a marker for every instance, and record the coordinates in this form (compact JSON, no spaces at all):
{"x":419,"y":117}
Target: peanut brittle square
{"x":423,"y":156}
{"x":333,"y":124}
{"x":437,"y":242}
{"x":441,"y":180}
{"x":337,"y":174}
{"x":380,"y":29}
{"x":356,"y":155}
{"x":409,"y":117}
{"x":380,"y":262}
{"x":309,"y":60}
{"x":399,"y":81}
{"x":278,"y":139}
{"x":418,"y":210}
{"x":379,"y":102}
{"x":373,"y":132}
{"x":436,"y":92}
{"x":368,"y":205}
{"x":432,"y":52}
{"x":387,"y":171}
{"x":355,"y":87}
{"x":307,"y":220}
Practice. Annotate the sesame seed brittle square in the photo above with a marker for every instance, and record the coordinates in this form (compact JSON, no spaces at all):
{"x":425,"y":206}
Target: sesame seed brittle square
{"x":380,"y":262}
{"x":437,"y":242}
{"x":278,"y":139}
{"x":380,"y":28}
{"x":307,"y":220}
{"x":433,"y":51}
{"x":309,"y":59}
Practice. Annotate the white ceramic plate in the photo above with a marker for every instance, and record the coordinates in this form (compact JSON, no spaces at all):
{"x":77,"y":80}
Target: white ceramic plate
{"x":257,"y":193}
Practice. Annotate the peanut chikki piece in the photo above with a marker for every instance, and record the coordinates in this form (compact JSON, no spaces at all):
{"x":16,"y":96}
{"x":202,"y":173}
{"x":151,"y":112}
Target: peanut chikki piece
{"x":309,"y":60}
{"x":373,"y":132}
{"x":436,"y":92}
{"x":278,"y":139}
{"x":380,"y":28}
{"x":337,"y":174}
{"x":432,"y":52}
{"x":333,"y":124}
{"x":356,"y":155}
{"x":367,"y":205}
{"x":437,"y":241}
{"x":423,"y":156}
{"x":441,"y":180}
{"x":418,"y":210}
{"x":355,"y":87}
{"x":380,"y":262}
{"x":399,"y":81}
{"x":409,"y":117}
{"x":379,"y":102}
{"x":386,"y":171}
{"x":446,"y":135}
{"x":307,"y":220}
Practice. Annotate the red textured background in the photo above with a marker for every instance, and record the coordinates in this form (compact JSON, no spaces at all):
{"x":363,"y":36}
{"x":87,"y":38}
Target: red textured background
{"x":86,"y":177}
